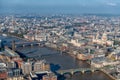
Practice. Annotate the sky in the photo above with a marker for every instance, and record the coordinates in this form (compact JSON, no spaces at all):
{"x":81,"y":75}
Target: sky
{"x":60,"y":6}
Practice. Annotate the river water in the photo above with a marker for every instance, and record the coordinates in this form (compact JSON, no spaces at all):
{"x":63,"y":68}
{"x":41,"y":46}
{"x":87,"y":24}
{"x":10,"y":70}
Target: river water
{"x":57,"y":61}
{"x":62,"y":62}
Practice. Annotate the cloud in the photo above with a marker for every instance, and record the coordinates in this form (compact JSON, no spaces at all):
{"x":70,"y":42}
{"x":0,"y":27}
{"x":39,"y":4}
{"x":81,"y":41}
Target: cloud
{"x":111,"y":4}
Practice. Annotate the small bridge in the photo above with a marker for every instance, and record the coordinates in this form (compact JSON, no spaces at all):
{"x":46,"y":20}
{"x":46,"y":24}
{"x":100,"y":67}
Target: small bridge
{"x":81,"y":70}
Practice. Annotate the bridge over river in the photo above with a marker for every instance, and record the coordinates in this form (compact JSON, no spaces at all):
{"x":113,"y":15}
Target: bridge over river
{"x":73,"y":71}
{"x":25,"y":44}
{"x":83,"y":70}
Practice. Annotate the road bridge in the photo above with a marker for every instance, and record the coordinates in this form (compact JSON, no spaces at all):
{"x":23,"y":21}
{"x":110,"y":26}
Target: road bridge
{"x":73,"y":71}
{"x":84,"y":70}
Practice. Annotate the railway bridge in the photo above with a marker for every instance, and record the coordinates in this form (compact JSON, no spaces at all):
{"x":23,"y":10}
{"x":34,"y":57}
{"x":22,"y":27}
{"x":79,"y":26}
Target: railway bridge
{"x":25,"y":44}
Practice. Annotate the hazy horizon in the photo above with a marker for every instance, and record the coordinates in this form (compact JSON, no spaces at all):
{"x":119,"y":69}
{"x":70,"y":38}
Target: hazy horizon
{"x":60,"y":6}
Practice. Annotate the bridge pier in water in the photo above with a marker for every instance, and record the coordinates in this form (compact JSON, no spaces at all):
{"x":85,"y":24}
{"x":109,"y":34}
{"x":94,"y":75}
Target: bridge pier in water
{"x":73,"y":71}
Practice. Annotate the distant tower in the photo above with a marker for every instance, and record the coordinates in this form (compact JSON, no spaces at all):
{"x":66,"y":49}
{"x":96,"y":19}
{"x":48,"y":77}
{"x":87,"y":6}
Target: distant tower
{"x":13,"y":45}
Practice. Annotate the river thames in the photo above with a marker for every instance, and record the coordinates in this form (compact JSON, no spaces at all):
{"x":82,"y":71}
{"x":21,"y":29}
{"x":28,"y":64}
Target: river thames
{"x":57,"y":61}
{"x":62,"y":62}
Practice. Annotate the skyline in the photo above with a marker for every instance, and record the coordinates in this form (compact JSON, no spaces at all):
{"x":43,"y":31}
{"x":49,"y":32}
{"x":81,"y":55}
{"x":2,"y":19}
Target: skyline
{"x":60,"y":6}
{"x":59,"y":40}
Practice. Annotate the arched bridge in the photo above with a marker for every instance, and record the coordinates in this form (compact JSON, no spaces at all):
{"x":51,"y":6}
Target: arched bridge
{"x":73,"y":71}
